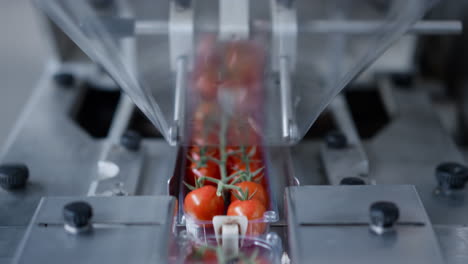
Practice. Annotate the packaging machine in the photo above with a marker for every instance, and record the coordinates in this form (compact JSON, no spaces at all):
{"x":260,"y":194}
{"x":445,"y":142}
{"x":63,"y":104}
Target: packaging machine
{"x":100,"y":165}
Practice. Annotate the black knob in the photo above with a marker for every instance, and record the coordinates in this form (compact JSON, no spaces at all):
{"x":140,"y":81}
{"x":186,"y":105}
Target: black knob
{"x":13,"y":176}
{"x":352,"y":181}
{"x":64,"y":79}
{"x":383,"y":215}
{"x":336,"y":140}
{"x":451,"y":175}
{"x":77,"y":214}
{"x":131,"y":140}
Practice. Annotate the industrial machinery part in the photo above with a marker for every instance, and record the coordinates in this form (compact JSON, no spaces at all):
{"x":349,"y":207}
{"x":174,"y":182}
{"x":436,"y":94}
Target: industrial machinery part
{"x":367,"y":175}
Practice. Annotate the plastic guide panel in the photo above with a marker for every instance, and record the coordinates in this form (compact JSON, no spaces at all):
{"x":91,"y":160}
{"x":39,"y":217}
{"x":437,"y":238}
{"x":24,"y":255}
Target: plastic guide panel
{"x":260,"y":74}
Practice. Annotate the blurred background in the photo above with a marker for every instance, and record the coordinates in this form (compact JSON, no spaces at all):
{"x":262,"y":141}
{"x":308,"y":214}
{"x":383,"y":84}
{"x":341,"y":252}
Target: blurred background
{"x":23,"y":52}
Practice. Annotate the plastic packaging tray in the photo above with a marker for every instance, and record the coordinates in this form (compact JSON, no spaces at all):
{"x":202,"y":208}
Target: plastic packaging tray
{"x":203,"y":229}
{"x":267,"y":248}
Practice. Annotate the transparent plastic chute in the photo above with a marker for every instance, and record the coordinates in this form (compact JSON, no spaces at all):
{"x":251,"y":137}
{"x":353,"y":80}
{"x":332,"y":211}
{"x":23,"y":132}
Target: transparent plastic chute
{"x":253,"y":72}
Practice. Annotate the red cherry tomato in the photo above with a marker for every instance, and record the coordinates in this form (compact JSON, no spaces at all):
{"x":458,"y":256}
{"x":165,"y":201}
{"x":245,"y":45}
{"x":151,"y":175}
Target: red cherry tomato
{"x":206,"y":84}
{"x":203,"y":203}
{"x":195,"y":170}
{"x":207,"y":50}
{"x":253,"y":210}
{"x":210,"y":169}
{"x":195,"y":152}
{"x":243,"y":62}
{"x":255,"y":191}
{"x":205,"y":124}
{"x":236,"y":164}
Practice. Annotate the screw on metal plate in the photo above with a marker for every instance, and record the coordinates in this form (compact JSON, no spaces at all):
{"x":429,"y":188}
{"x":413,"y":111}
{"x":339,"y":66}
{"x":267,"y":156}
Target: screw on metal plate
{"x":13,"y":176}
{"x":77,"y":216}
{"x":131,"y":140}
{"x":450,"y":177}
{"x":383,"y":216}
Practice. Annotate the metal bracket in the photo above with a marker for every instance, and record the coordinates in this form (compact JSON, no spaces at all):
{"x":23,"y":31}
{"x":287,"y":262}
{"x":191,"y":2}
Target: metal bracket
{"x":233,"y":19}
{"x":181,"y":34}
{"x":284,"y":28}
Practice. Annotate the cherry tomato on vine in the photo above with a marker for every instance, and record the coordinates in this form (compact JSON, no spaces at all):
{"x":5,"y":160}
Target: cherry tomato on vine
{"x":205,"y":124}
{"x":209,"y":169}
{"x":253,"y":152}
{"x":254,"y":191}
{"x":203,"y":203}
{"x":207,"y":52}
{"x":196,"y":152}
{"x":243,"y":62}
{"x":253,"y":210}
{"x":236,"y":164}
{"x":206,"y":84}
{"x":243,"y":133}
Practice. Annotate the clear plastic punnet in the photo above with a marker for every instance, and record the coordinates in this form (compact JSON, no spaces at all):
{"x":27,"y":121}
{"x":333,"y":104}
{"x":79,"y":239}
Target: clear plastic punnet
{"x":266,"y":249}
{"x":241,"y":72}
{"x":259,"y":178}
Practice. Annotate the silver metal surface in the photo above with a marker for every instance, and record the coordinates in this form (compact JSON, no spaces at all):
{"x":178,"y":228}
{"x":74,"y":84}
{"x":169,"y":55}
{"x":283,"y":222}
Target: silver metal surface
{"x":62,"y":158}
{"x":23,"y":52}
{"x":454,"y":243}
{"x":408,"y":150}
{"x":325,"y":226}
{"x":125,"y":230}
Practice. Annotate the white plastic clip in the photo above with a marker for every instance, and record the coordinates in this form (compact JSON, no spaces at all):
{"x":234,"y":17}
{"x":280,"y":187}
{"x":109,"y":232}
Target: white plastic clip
{"x":228,"y":230}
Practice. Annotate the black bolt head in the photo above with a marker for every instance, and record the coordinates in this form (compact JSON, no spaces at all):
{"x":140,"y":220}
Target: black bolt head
{"x":77,"y":214}
{"x":451,"y":175}
{"x":64,"y":79}
{"x":336,"y":140}
{"x":131,"y":140}
{"x":13,"y":176}
{"x":352,"y":181}
{"x":384,"y":214}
